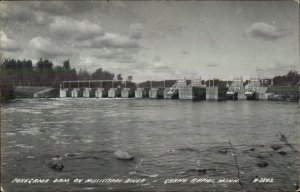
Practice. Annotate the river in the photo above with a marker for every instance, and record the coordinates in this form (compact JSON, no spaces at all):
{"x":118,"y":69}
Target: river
{"x":170,"y":139}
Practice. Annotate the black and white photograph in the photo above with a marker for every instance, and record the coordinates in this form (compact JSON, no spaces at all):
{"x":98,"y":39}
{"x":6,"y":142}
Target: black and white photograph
{"x":150,"y":96}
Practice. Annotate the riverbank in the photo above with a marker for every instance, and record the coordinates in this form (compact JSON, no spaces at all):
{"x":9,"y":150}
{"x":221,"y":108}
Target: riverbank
{"x":284,"y":93}
{"x":20,"y":92}
{"x":6,"y":92}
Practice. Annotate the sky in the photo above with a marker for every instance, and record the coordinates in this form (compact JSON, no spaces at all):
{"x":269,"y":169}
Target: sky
{"x":155,"y":40}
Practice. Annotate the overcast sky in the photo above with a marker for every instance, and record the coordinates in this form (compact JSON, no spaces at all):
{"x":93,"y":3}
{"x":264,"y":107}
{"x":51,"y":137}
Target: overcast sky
{"x":156,"y":39}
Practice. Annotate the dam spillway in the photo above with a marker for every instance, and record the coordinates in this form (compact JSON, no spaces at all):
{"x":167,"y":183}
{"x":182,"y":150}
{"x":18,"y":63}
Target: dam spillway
{"x":181,"y":89}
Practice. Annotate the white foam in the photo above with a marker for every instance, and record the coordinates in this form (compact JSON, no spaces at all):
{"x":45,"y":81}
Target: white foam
{"x":10,"y":134}
{"x":87,"y":140}
{"x":30,"y":131}
{"x":24,"y":146}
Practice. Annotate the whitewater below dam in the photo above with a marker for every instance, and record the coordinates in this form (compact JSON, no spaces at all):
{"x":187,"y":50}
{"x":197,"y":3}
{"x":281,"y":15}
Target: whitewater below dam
{"x":177,"y":145}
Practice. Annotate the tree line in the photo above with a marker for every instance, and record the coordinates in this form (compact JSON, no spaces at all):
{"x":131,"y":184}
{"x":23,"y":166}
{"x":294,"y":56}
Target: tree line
{"x":44,"y":72}
{"x":291,"y":78}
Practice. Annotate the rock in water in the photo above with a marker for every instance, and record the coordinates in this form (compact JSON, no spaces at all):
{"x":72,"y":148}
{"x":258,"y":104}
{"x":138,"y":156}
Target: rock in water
{"x":275,"y":147}
{"x":202,"y":170}
{"x":223,"y":151}
{"x":262,"y":164}
{"x":123,"y":155}
{"x":283,"y":138}
{"x":283,"y":153}
{"x":56,"y":164}
{"x":260,"y":156}
{"x":252,"y":149}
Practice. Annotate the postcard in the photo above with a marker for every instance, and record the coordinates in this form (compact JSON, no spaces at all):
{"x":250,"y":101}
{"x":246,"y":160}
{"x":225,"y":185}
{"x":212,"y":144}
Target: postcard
{"x":149,"y":96}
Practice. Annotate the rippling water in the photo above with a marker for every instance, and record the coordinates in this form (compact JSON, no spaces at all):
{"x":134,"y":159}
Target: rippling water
{"x":169,"y":139}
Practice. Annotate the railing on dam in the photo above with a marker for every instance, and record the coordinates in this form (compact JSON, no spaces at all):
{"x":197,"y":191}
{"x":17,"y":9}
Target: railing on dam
{"x":106,"y":84}
{"x":93,"y":83}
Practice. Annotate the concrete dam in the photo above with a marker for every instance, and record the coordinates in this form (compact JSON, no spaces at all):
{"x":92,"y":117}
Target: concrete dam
{"x":181,"y":89}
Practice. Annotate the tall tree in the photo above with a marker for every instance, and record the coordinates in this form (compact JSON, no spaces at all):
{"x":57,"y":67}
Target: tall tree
{"x":119,"y":77}
{"x":66,"y":65}
{"x":83,"y":74}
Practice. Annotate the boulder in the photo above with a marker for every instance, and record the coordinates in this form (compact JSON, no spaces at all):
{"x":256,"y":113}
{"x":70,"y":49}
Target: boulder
{"x":275,"y":147}
{"x":202,"y":170}
{"x":283,"y":153}
{"x":260,"y":156}
{"x":283,"y":138}
{"x":56,"y":164}
{"x":252,"y":149}
{"x":223,"y":150}
{"x":262,"y":164}
{"x":123,"y":155}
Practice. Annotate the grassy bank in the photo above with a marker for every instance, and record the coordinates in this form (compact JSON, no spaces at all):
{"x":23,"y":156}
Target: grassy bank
{"x":285,"y":90}
{"x":6,"y":92}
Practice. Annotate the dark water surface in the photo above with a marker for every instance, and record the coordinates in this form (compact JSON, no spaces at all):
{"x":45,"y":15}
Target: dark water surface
{"x":169,"y":139}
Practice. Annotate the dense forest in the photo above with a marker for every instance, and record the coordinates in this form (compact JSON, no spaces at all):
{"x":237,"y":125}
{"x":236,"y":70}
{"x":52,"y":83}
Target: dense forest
{"x":291,"y":78}
{"x":44,"y":73}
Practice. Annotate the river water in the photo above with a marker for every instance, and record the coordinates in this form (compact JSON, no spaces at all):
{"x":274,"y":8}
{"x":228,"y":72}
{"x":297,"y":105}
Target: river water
{"x":170,"y":139}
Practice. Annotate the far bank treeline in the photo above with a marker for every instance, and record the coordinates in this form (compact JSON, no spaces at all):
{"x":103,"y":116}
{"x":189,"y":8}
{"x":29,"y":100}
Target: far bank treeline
{"x":45,"y":73}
